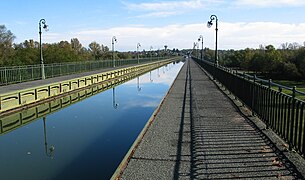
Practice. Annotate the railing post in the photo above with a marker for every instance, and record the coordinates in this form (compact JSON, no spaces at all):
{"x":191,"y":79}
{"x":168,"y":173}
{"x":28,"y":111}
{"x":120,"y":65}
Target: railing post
{"x":32,"y":73}
{"x":19,"y":70}
{"x":253,"y":94}
{"x":5,"y":74}
{"x":268,"y":103}
{"x":292,"y":118}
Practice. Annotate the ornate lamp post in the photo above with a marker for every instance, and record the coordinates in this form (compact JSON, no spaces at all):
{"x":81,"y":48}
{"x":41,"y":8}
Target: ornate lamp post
{"x":194,"y":48}
{"x":44,"y":26}
{"x":138,"y":46}
{"x":201,"y":38}
{"x":209,"y":24}
{"x":114,"y":40}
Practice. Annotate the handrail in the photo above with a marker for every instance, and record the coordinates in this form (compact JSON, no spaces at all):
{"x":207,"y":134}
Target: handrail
{"x":17,"y":74}
{"x":283,"y":113}
{"x":251,"y":77}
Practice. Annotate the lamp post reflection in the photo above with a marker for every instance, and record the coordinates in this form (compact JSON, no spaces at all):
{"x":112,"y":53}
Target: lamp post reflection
{"x":139,"y":88}
{"x":49,"y":150}
{"x":114,"y":104}
{"x":150,"y":77}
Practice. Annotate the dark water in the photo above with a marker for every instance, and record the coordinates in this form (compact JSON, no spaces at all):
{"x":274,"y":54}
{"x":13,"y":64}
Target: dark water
{"x":88,"y":139}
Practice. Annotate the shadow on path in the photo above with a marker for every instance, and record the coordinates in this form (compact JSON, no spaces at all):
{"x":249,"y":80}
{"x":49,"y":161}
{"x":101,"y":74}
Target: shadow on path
{"x":223,"y":143}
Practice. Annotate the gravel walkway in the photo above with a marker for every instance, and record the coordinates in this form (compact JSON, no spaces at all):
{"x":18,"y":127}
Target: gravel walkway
{"x":199,"y":134}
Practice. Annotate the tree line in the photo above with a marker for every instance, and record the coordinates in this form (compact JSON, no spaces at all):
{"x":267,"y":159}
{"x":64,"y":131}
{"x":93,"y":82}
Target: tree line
{"x":284,"y":63}
{"x":28,"y":52}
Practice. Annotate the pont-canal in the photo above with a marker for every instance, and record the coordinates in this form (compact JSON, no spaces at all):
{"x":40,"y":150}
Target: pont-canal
{"x":87,"y":139}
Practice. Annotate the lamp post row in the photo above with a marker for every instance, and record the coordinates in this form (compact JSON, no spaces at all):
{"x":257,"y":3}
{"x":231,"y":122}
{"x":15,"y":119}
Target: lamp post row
{"x":43,"y":24}
{"x":209,"y":24}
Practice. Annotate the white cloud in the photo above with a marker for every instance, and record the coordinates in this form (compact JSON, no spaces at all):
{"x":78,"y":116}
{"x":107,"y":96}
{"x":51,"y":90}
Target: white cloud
{"x":269,"y":3}
{"x":242,"y":35}
{"x":165,"y":5}
{"x":168,"y":8}
{"x":231,"y":35}
{"x":159,"y":14}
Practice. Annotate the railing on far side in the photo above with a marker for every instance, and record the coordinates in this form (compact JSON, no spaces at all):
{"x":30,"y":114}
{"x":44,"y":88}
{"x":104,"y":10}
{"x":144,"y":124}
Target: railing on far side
{"x":17,"y":74}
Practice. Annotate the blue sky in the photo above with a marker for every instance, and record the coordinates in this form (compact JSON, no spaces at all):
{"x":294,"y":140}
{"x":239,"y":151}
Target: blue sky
{"x":242,"y":23}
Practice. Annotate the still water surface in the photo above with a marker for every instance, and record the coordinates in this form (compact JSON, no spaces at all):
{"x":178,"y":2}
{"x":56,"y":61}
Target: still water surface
{"x":86,"y":140}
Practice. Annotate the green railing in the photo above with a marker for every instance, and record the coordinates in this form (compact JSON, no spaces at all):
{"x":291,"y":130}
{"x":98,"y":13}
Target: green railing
{"x":17,"y":74}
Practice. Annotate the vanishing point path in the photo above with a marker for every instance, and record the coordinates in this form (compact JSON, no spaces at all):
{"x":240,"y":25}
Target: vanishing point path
{"x":199,"y":133}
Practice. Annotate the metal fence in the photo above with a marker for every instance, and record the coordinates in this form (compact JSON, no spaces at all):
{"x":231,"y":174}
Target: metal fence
{"x":17,"y":74}
{"x":281,"y":112}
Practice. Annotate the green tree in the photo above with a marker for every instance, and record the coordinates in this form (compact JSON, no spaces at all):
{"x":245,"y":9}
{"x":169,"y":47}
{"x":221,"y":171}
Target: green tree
{"x":76,"y":45}
{"x":6,"y":43}
{"x":26,"y":53}
{"x":300,"y":61}
{"x":96,"y":50}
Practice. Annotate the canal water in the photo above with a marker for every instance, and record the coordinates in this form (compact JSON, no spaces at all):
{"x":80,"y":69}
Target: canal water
{"x":87,"y":139}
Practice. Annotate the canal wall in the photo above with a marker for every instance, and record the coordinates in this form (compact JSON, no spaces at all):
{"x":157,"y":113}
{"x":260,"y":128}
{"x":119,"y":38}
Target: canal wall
{"x":21,"y":118}
{"x":23,"y":98}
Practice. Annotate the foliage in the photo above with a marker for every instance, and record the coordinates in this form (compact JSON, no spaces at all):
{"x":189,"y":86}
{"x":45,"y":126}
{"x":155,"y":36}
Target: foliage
{"x":285,"y":63}
{"x":6,"y":42}
{"x":28,"y":52}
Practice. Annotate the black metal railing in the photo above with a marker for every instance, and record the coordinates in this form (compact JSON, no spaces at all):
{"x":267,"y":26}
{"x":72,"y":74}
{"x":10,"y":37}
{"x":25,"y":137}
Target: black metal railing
{"x":283,"y":113}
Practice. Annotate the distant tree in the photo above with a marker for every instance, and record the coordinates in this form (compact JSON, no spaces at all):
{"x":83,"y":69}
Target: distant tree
{"x":294,"y":46}
{"x":105,"y":48}
{"x":300,"y":61}
{"x":76,"y":45}
{"x":26,"y":53}
{"x":6,"y":43}
{"x":124,"y":55}
{"x":285,"y":46}
{"x":286,"y":70}
{"x":96,"y":50}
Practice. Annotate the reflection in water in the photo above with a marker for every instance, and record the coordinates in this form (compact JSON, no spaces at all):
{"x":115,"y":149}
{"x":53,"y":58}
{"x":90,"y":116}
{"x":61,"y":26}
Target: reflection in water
{"x":150,"y":77}
{"x":114,"y":104}
{"x":85,"y":134}
{"x":139,"y":88}
{"x":13,"y":121}
{"x":49,"y":150}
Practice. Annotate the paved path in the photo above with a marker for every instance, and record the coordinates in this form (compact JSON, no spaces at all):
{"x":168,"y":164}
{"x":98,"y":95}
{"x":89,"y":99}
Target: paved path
{"x":199,"y":134}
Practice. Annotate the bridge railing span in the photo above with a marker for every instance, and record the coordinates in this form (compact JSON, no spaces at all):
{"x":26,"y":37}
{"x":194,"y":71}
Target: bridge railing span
{"x":17,"y":74}
{"x":283,"y":113}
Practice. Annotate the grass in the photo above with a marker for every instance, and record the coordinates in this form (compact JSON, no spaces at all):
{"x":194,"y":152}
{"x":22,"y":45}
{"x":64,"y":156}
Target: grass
{"x":300,"y":86}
